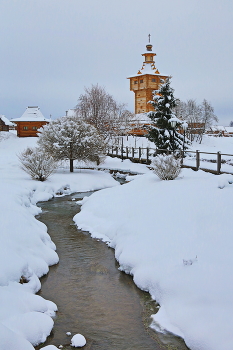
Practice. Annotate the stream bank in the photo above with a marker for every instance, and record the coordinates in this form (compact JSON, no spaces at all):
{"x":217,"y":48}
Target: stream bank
{"x":94,"y":298}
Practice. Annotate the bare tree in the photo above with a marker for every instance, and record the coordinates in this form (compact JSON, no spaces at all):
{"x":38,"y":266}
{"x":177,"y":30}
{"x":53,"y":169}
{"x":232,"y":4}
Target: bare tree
{"x":99,"y":109}
{"x":207,"y":117}
{"x":199,"y":117}
{"x":191,"y":113}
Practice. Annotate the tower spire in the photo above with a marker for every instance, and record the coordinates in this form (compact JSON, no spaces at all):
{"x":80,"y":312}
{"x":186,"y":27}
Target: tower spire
{"x":146,"y":80}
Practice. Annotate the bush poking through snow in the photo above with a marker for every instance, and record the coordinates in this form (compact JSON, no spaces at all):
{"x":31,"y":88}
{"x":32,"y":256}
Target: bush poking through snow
{"x":37,"y":164}
{"x":166,"y":167}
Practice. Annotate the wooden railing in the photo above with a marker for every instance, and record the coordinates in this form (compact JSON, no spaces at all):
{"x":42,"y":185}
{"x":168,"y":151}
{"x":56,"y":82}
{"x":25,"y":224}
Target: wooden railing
{"x":144,"y":156}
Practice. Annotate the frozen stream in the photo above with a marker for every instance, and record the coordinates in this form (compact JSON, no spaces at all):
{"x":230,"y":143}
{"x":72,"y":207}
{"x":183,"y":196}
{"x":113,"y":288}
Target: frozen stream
{"x":94,"y":298}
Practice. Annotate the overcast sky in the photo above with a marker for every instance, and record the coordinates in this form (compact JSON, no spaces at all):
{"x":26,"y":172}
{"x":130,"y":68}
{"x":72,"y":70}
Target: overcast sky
{"x":51,"y":49}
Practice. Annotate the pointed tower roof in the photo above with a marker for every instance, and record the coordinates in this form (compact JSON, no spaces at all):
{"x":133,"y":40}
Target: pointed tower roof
{"x":148,"y":66}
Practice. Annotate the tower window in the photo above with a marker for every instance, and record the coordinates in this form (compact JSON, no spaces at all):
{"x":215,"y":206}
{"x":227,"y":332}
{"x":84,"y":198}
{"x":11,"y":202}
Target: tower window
{"x":153,"y":80}
{"x":34,"y":128}
{"x":135,"y":81}
{"x":141,"y":81}
{"x":25,"y":128}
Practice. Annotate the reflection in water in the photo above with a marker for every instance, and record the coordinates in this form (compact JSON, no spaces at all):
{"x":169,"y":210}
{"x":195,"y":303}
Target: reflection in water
{"x":94,"y":298}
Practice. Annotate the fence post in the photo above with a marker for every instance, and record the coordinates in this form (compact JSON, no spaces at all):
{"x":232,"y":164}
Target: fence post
{"x":218,"y":162}
{"x":182,"y":157}
{"x":117,"y":151}
{"x":197,"y":160}
{"x":139,"y":153}
{"x":122,"y":153}
{"x":147,"y":155}
{"x":112,"y":150}
{"x":127,"y":152}
{"x":133,"y":152}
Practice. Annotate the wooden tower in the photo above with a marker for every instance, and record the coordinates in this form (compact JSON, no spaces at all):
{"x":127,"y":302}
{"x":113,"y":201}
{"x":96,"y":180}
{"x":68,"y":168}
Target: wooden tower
{"x":145,"y":81}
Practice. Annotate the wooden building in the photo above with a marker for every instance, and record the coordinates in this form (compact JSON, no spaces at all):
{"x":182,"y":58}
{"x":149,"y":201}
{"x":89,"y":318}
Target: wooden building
{"x":145,"y":82}
{"x":30,"y":122}
{"x":5,"y":124}
{"x":218,"y":130}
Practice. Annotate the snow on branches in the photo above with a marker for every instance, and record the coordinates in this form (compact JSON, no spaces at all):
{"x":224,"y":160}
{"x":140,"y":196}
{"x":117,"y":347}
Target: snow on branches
{"x":37,"y":164}
{"x":161,"y":132}
{"x":72,"y":138}
{"x":166,"y":167}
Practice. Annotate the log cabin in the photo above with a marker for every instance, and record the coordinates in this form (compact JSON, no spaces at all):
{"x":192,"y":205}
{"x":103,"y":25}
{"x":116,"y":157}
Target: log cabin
{"x":29,"y":123}
{"x":5,"y":124}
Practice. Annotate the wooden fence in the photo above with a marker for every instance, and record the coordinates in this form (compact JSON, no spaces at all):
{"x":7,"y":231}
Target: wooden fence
{"x":144,"y":156}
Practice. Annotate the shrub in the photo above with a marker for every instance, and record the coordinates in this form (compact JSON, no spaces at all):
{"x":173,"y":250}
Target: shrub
{"x":166,"y":167}
{"x":37,"y":164}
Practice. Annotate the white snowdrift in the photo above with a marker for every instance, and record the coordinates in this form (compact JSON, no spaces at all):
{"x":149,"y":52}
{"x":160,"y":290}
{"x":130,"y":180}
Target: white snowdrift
{"x":175,"y":238}
{"x":78,"y":341}
{"x":26,"y":249}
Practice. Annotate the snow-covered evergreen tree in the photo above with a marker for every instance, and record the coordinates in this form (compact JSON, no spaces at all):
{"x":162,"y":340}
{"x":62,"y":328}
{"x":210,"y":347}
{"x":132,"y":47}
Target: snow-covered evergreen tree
{"x":161,"y":131}
{"x":71,"y":138}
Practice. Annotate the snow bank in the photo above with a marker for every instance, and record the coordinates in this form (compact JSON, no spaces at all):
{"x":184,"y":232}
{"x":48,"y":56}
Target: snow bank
{"x":26,"y":250}
{"x":156,"y":227}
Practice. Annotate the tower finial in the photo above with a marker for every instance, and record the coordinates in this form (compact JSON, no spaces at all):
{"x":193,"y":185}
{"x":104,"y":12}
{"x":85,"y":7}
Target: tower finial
{"x":149,"y":37}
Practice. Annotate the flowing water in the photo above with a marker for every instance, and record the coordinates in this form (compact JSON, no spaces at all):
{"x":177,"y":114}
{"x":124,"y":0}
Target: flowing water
{"x":94,"y":298}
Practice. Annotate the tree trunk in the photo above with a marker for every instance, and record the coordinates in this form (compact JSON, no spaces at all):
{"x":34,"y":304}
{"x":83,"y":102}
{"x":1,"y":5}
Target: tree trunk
{"x":71,"y":165}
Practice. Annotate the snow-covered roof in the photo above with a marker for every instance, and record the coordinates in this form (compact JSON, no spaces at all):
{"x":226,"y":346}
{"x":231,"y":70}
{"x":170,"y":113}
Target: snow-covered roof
{"x":32,"y":114}
{"x":71,"y":113}
{"x":141,"y":118}
{"x":229,"y":128}
{"x":148,"y":52}
{"x":217,"y":128}
{"x":147,"y":68}
{"x":5,"y":120}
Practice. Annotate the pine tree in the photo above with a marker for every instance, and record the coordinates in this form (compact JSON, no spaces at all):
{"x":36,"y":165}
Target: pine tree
{"x":161,"y":132}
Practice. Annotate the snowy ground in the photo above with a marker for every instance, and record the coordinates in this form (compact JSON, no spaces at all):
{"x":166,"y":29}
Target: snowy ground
{"x":174,"y":237}
{"x":26,"y":248}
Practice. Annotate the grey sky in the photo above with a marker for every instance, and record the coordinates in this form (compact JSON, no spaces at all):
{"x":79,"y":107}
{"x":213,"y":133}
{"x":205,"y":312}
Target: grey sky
{"x":51,"y":49}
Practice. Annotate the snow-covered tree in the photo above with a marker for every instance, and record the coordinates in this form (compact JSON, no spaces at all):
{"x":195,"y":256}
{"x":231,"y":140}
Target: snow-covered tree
{"x":99,"y":108}
{"x":207,"y":114}
{"x":161,"y":131}
{"x":37,"y":164}
{"x":72,"y":138}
